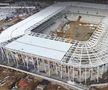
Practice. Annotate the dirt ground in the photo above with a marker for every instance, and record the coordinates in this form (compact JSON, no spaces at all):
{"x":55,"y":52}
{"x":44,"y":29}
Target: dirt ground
{"x":81,"y":32}
{"x":105,"y":88}
{"x":3,"y":88}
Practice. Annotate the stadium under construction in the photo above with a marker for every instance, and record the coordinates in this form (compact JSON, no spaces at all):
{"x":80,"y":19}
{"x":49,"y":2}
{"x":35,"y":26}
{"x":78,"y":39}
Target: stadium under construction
{"x":65,"y":42}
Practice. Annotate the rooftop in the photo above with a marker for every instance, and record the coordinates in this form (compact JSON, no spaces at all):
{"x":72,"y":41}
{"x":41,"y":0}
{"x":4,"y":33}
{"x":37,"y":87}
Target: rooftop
{"x":40,"y":46}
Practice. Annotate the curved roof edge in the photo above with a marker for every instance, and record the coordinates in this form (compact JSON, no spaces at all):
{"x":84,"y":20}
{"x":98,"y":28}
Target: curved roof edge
{"x":31,"y":22}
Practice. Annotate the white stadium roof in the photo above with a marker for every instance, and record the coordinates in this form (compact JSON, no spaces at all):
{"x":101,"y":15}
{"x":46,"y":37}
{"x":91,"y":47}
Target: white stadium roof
{"x":90,"y":53}
{"x":31,"y":22}
{"x":40,"y":46}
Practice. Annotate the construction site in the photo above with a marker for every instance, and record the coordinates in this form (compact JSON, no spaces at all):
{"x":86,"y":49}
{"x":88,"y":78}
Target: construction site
{"x":66,"y":47}
{"x":14,"y":80}
{"x":75,"y":30}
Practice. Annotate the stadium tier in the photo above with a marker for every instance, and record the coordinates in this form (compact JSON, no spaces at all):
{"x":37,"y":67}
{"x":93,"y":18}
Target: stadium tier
{"x":59,"y":50}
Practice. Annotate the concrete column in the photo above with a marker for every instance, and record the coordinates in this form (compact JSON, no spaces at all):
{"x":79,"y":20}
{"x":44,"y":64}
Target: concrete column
{"x":26,"y":59}
{"x":61,"y":72}
{"x":44,"y":65}
{"x":97,"y":74}
{"x":53,"y":67}
{"x":85,"y":75}
{"x":56,"y":69}
{"x":68,"y":72}
{"x":33,"y":62}
{"x":2,"y":53}
{"x":103,"y":69}
{"x":37,"y":64}
{"x":17,"y":58}
{"x":7,"y":56}
{"x":49,"y":73}
{"x":91,"y":73}
{"x":73,"y":73}
{"x":13,"y":57}
{"x":22,"y":57}
{"x":80,"y":74}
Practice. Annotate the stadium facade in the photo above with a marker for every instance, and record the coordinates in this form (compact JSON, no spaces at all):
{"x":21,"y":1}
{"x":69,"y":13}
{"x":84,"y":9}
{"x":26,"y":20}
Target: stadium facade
{"x":55,"y":57}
